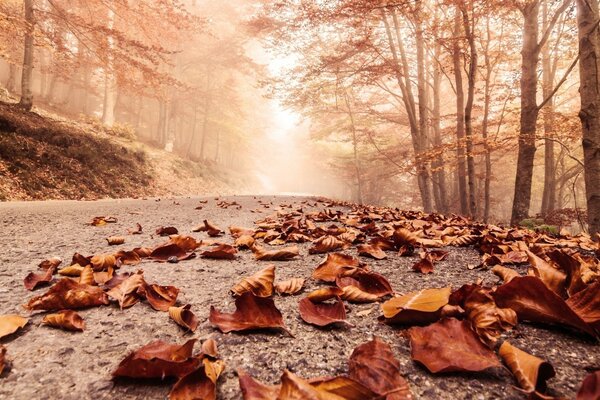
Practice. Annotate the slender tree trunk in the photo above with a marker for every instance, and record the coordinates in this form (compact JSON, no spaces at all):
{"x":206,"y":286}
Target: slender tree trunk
{"x":460,"y":116}
{"x":359,"y":189}
{"x":472,"y":75}
{"x":26,"y":93}
{"x":485,"y":124}
{"x":110,"y":100}
{"x":193,"y":134}
{"x":11,"y":84}
{"x":529,"y":113}
{"x":589,"y":66}
{"x":438,"y":164}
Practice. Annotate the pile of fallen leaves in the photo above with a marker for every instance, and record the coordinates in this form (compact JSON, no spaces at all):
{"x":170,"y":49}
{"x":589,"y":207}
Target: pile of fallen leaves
{"x":450,"y":330}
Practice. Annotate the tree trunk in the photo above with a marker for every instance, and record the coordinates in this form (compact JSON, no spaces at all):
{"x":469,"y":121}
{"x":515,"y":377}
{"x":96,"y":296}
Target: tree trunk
{"x":110,"y":98}
{"x":11,"y":84}
{"x":529,"y":113}
{"x":359,"y":190}
{"x":26,"y":93}
{"x":460,"y":116}
{"x":589,"y":65}
{"x":485,"y":124}
{"x":439,"y":175}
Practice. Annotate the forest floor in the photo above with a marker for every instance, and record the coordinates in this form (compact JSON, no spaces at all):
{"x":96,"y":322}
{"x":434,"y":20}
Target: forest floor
{"x":44,"y":156}
{"x":51,"y":363}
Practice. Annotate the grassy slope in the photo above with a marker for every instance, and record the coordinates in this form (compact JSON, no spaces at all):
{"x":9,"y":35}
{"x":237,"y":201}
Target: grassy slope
{"x":44,"y":157}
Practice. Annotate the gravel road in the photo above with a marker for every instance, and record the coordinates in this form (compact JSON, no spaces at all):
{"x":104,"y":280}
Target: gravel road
{"x":48,"y":363}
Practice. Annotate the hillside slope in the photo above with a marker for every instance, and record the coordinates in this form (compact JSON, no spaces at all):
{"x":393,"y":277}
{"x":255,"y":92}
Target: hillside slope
{"x":43,"y":156}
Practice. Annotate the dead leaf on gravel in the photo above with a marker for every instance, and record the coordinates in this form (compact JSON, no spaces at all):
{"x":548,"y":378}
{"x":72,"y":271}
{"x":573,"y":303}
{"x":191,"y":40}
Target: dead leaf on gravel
{"x":321,"y":313}
{"x":424,"y":265}
{"x":355,"y":295}
{"x":142,"y":252}
{"x":115,"y":240}
{"x":369,"y":250}
{"x":33,"y":280}
{"x":252,"y":312}
{"x":187,"y":243}
{"x":101,"y":221}
{"x":80,"y":259}
{"x":158,"y":360}
{"x":335,"y":265}
{"x":65,"y":319}
{"x":325,"y":293}
{"x":135,"y":231}
{"x":325,"y":244}
{"x":589,"y":390}
{"x":161,"y":298}
{"x":2,"y":358}
{"x":254,"y":390}
{"x":530,"y":372}
{"x":126,"y":292}
{"x":405,"y":241}
{"x":209,"y":348}
{"x":553,"y":278}
{"x":72,"y":270}
{"x":586,"y":304}
{"x":211,"y":229}
{"x":293,"y":387}
{"x":418,"y":307}
{"x":184,"y":317}
{"x":238,"y":231}
{"x":87,"y":276}
{"x":367,"y":281}
{"x":104,"y":276}
{"x":374,"y":365}
{"x":290,"y":286}
{"x":533,"y":301}
{"x":195,"y":385}
{"x":504,"y":273}
{"x":132,"y":257}
{"x":284,"y":254}
{"x":166,"y":251}
{"x":244,"y":242}
{"x":166,"y":231}
{"x":450,"y":345}
{"x":220,"y":252}
{"x":11,"y":323}
{"x":101,"y":262}
{"x":68,"y":294}
{"x":52,"y":262}
{"x":260,"y":284}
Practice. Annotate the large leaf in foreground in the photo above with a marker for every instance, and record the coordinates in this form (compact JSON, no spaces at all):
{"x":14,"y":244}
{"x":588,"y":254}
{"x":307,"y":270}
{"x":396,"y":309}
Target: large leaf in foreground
{"x":418,"y":307}
{"x":66,"y":319}
{"x":530,"y":372}
{"x":10,"y":323}
{"x":335,"y":265}
{"x":586,"y":304}
{"x":252,"y":312}
{"x":589,"y":390}
{"x":450,"y":345}
{"x":260,"y":284}
{"x":322,"y":313}
{"x":68,"y":294}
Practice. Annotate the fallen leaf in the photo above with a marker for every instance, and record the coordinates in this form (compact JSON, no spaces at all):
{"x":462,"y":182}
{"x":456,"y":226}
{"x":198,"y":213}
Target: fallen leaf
{"x":135,"y":231}
{"x":166,"y":231}
{"x":321,"y":313}
{"x":167,"y":250}
{"x":424,"y":265}
{"x":184,"y":317}
{"x":72,"y":270}
{"x":530,"y":372}
{"x":589,"y":390}
{"x":404,"y":240}
{"x":421,"y":307}
{"x":450,"y":345}
{"x":158,"y":360}
{"x":220,"y":252}
{"x":101,"y":262}
{"x":209,"y":348}
{"x":52,"y":262}
{"x":252,"y":312}
{"x":211,"y":229}
{"x":506,"y":274}
{"x":161,"y":298}
{"x":2,"y":358}
{"x":103,"y":276}
{"x":335,"y":265}
{"x":355,"y":295}
{"x":254,"y":390}
{"x":290,"y":286}
{"x":66,"y":319}
{"x":244,"y":242}
{"x":238,"y":231}
{"x":374,"y":365}
{"x":325,"y":244}
{"x":553,"y":278}
{"x":366,"y":281}
{"x":115,"y":240}
{"x":127,"y":257}
{"x":101,"y":221}
{"x":586,"y":304}
{"x":80,"y":260}
{"x":126,"y":292}
{"x":33,"y":280}
{"x":287,"y":253}
{"x":195,"y":385}
{"x":372,"y":251}
{"x":87,"y":276}
{"x":187,"y":243}
{"x":260,"y":284}
{"x":10,"y":323}
{"x":68,"y":294}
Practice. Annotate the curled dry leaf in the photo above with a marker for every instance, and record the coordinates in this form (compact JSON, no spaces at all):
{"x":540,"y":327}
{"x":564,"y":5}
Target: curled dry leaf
{"x":52,"y":262}
{"x":321,"y":313}
{"x":220,"y":252}
{"x":533,"y":301}
{"x":10,"y":323}
{"x":373,"y":251}
{"x":325,"y":244}
{"x":66,"y":319}
{"x":33,"y":280}
{"x":187,"y":243}
{"x":290,"y":286}
{"x":355,"y":295}
{"x":238,"y":231}
{"x":161,"y":298}
{"x":126,"y":292}
{"x":254,"y":390}
{"x":80,"y":259}
{"x":252,"y":312}
{"x":87,"y":276}
{"x":168,"y":250}
{"x":127,"y":257}
{"x":287,"y":253}
{"x":101,"y":221}
{"x":2,"y":358}
{"x":166,"y":231}
{"x":101,"y":262}
{"x":244,"y":242}
{"x":103,"y":276}
{"x":530,"y":372}
{"x":586,"y":304}
{"x":142,"y":252}
{"x":135,"y":231}
{"x":68,"y":294}
{"x":553,"y":278}
{"x":374,"y":365}
{"x":115,"y":240}
{"x":211,"y":229}
{"x":450,"y":345}
{"x":325,"y":293}
{"x":366,"y":281}
{"x":504,"y":273}
{"x":335,"y":265}
{"x":260,"y":284}
{"x":158,"y":360}
{"x":209,"y":348}
{"x":425,"y":263}
{"x":184,"y":317}
{"x":72,"y":270}
{"x":404,"y":241}
{"x":419,"y":307}
{"x":195,"y":385}
{"x":589,"y":390}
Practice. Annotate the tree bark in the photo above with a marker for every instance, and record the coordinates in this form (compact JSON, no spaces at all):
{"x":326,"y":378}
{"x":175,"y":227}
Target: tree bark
{"x":110,"y":98}
{"x":359,"y":189}
{"x":460,"y":116}
{"x":11,"y":84}
{"x":485,"y":124}
{"x":589,"y":89}
{"x":439,"y":175}
{"x":26,"y":100}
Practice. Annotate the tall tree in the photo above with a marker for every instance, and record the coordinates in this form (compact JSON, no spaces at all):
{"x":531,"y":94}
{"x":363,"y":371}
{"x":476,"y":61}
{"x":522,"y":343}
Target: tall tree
{"x":26,"y":90}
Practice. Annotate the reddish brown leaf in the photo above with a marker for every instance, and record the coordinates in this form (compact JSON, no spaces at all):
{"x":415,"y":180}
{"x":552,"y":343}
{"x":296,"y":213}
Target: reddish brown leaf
{"x":367,"y":281}
{"x":128,"y":257}
{"x":2,"y":358}
{"x":80,"y":260}
{"x":238,"y":231}
{"x":374,"y":365}
{"x":166,"y":231}
{"x":355,"y":295}
{"x":419,"y":307}
{"x":170,"y":250}
{"x":102,"y":262}
{"x":102,"y":277}
{"x":68,"y":294}
{"x":33,"y":280}
{"x":450,"y":345}
{"x":209,"y":228}
{"x":372,"y":251}
{"x":65,"y":319}
{"x":336,"y":264}
{"x":321,"y":313}
{"x":586,"y":304}
{"x":126,"y":292}
{"x":115,"y":240}
{"x":287,"y":253}
{"x":52,"y":262}
{"x":530,"y":372}
{"x":220,"y":252}
{"x":244,"y":242}
{"x":187,"y":243}
{"x":184,"y":317}
{"x":290,"y":286}
{"x":589,"y":390}
{"x":159,"y":297}
{"x":193,"y":386}
{"x":11,"y":323}
{"x":326,"y":293}
{"x":252,"y":312}
{"x":260,"y":284}
{"x":326,"y":244}
{"x":547,"y":272}
{"x":506,"y":274}
{"x":254,"y":390}
{"x":87,"y":276}
{"x":135,"y":231}
{"x":158,"y":360}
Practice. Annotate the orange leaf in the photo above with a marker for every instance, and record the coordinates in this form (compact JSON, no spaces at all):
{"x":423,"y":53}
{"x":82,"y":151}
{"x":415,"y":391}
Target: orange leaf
{"x":33,"y":280}
{"x":126,"y":292}
{"x":194,"y":385}
{"x":52,"y":262}
{"x":336,"y":264}
{"x":65,"y":319}
{"x":326,"y":244}
{"x":159,"y":297}
{"x":287,"y":253}
{"x":367,"y":281}
{"x":322,"y":314}
{"x":67,"y":294}
{"x":184,"y":317}
{"x":260,"y":284}
{"x":419,"y":307}
{"x":10,"y":323}
{"x":290,"y":286}
{"x":220,"y":252}
{"x":530,"y":372}
{"x":370,"y":250}
{"x":115,"y":240}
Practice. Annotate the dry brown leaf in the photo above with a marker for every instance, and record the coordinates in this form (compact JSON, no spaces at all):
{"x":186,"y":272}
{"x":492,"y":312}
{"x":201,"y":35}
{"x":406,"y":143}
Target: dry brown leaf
{"x":506,"y":274}
{"x":193,"y":386}
{"x":589,"y":390}
{"x":220,"y":252}
{"x":287,"y":253}
{"x":553,"y":278}
{"x":184,"y":317}
{"x":115,"y":240}
{"x":87,"y":276}
{"x":10,"y":323}
{"x":170,"y":250}
{"x":102,"y":262}
{"x":65,"y":319}
{"x":335,"y":265}
{"x":450,"y":345}
{"x":68,"y":294}
{"x":366,"y":281}
{"x":424,"y":265}
{"x":530,"y":372}
{"x":209,"y":348}
{"x":72,"y":270}
{"x":52,"y":262}
{"x":211,"y":229}
{"x":252,"y":312}
{"x":126,"y":292}
{"x":238,"y":231}
{"x":355,"y":295}
{"x":104,"y":276}
{"x":290,"y":286}
{"x":326,"y":293}
{"x":33,"y":280}
{"x":339,"y":388}
{"x":372,"y":251}
{"x":2,"y":358}
{"x":418,"y":307}
{"x":244,"y":242}
{"x":254,"y":390}
{"x":187,"y":243}
{"x":101,"y":221}
{"x":586,"y":304}
{"x":325,"y":244}
{"x":161,"y":298}
{"x":260,"y":284}
{"x":128,"y":257}
{"x":321,"y":313}
{"x":166,"y":231}
{"x":135,"y":231}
